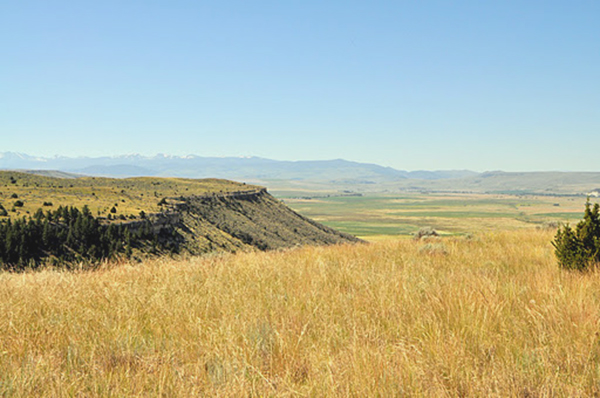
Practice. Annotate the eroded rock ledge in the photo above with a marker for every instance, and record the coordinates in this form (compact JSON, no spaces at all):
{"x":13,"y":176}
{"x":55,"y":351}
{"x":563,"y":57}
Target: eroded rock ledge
{"x":239,"y":220}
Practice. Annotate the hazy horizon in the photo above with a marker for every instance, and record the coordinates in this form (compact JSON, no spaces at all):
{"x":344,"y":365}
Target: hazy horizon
{"x":190,"y":155}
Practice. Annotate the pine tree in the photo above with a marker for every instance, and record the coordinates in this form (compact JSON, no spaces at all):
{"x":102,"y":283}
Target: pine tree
{"x":69,"y":234}
{"x":579,"y":248}
{"x":46,"y":235}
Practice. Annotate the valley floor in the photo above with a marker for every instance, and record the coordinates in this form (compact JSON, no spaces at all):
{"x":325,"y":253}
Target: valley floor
{"x":491,"y":315}
{"x":373,"y":216}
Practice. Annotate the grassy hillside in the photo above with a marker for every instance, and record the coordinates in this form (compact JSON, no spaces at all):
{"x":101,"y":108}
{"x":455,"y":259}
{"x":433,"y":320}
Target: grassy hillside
{"x":129,"y":196}
{"x":489,"y":316}
{"x":249,"y":221}
{"x":172,"y":215}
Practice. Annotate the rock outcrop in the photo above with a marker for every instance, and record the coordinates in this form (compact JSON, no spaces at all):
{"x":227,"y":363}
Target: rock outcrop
{"x":242,"y":220}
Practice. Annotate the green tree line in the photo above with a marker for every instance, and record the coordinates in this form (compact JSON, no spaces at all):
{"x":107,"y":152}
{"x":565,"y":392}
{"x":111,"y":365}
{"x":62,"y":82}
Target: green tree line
{"x":69,"y":235}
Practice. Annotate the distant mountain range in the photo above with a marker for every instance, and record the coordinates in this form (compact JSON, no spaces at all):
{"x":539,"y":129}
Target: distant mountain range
{"x":236,"y":168}
{"x":322,"y":175}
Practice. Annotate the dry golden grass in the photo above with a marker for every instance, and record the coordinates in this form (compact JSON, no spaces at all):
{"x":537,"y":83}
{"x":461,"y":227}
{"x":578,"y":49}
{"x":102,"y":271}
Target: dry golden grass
{"x":490,"y":316}
{"x":129,"y":196}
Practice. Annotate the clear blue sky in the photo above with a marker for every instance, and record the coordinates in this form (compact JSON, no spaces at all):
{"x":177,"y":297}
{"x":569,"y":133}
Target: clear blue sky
{"x":482,"y":85}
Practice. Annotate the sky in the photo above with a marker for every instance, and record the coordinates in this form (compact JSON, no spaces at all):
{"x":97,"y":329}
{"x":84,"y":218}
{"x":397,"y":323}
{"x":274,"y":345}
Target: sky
{"x":480,"y":85}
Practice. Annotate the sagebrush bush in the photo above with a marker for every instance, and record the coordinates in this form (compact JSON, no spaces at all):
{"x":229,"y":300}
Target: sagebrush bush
{"x":549,"y":225}
{"x":426,"y":232}
{"x":579,"y":248}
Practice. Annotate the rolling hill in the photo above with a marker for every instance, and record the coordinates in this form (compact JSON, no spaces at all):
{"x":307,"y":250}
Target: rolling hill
{"x":196,"y":216}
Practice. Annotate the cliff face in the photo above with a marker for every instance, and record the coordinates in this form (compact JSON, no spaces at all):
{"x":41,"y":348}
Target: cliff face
{"x":241,"y":220}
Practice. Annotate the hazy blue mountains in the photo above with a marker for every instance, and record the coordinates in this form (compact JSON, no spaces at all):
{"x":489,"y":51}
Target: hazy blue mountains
{"x":334,"y":175}
{"x":236,"y":168}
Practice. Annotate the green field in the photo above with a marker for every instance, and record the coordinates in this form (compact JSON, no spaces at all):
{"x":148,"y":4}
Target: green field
{"x":374,"y":216}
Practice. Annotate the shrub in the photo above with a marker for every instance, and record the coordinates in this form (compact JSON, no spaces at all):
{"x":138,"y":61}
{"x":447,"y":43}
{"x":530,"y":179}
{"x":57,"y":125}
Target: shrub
{"x":579,"y":248}
{"x":426,"y":232}
{"x":19,"y":203}
{"x":549,"y":225}
{"x":47,"y":203}
{"x":14,"y":196}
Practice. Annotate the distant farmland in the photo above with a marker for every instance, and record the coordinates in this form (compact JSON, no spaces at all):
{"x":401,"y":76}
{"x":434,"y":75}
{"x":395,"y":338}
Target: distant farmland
{"x":374,"y":216}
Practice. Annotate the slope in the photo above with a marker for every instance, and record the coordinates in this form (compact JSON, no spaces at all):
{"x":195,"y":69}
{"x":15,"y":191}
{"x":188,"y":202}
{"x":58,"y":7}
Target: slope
{"x":194,"y":216}
{"x":245,"y":219}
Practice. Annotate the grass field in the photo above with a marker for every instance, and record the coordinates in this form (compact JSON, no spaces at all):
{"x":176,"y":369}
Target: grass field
{"x":483,"y":310}
{"x":487,"y":316}
{"x":128,"y":196}
{"x":380,"y":216}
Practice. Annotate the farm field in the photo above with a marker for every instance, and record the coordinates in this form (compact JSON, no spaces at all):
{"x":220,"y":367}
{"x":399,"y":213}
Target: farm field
{"x":383,"y":216}
{"x":489,"y":315}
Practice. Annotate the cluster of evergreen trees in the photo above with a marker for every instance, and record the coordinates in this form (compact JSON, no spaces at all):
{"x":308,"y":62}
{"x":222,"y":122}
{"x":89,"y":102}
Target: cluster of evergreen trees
{"x":69,"y":235}
{"x":579,"y":248}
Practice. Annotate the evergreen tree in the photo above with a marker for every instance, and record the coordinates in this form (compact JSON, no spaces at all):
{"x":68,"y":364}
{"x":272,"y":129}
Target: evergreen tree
{"x":579,"y":248}
{"x":69,"y":234}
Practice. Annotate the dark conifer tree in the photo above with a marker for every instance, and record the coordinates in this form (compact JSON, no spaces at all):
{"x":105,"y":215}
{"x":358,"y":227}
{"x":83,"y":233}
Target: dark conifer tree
{"x":579,"y":248}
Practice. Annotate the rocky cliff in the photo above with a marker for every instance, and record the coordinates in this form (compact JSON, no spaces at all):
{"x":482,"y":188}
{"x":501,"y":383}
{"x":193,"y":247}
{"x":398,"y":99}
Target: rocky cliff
{"x":241,"y":220}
